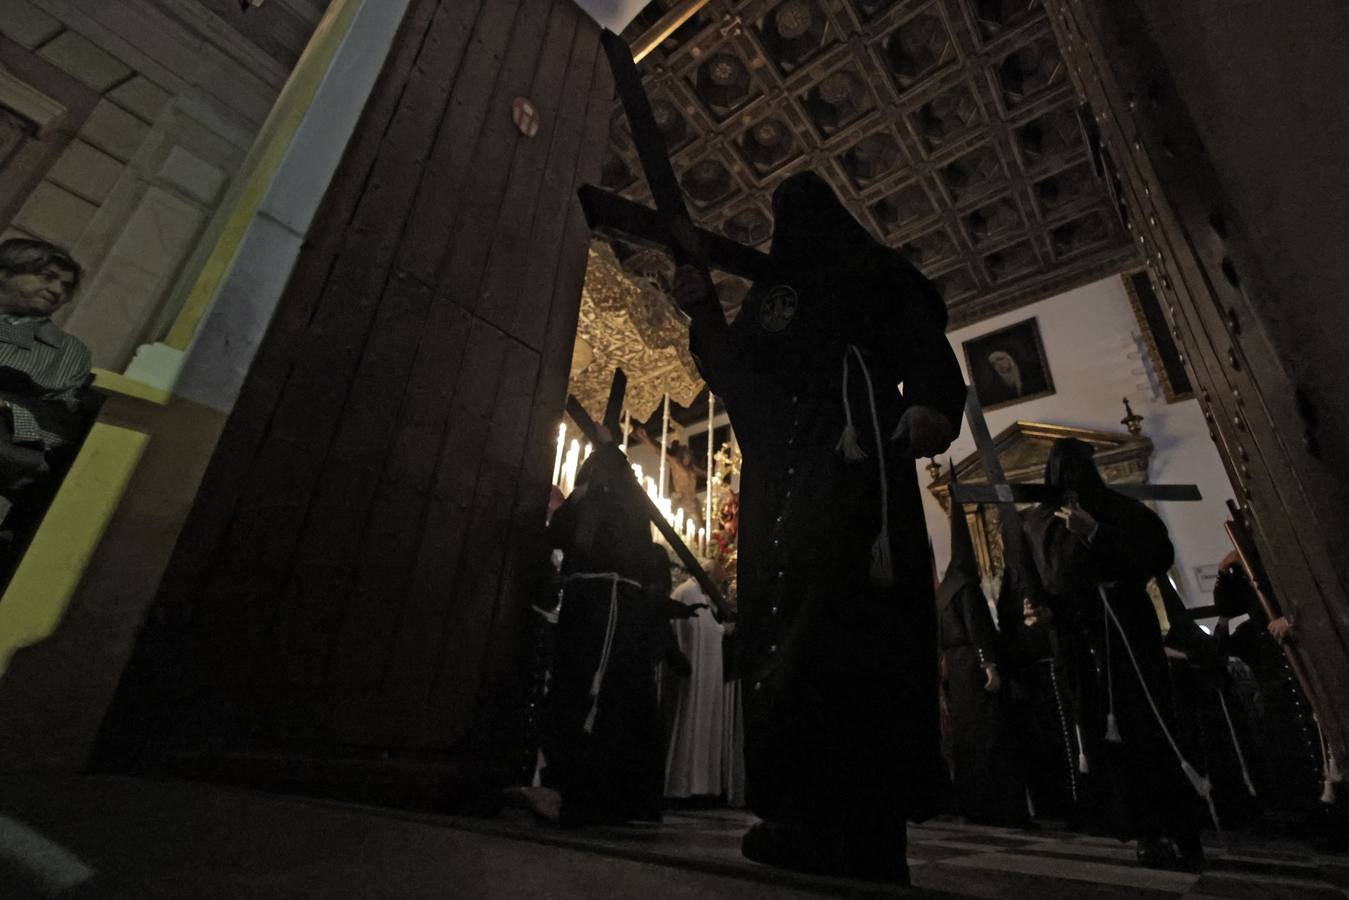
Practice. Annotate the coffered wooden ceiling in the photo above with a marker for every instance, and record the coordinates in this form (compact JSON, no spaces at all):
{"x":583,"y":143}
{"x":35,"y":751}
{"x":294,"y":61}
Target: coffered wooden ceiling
{"x":949,"y":127}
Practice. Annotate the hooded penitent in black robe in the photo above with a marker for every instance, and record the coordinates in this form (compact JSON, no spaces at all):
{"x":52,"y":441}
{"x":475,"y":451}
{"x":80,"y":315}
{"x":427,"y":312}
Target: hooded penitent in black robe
{"x":604,"y":753}
{"x":839,"y":670}
{"x":988,"y":789}
{"x":1131,"y":546}
{"x":1284,"y":755}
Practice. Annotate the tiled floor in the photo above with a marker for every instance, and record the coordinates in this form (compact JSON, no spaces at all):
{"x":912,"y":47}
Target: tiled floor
{"x":952,"y":859}
{"x":180,"y":840}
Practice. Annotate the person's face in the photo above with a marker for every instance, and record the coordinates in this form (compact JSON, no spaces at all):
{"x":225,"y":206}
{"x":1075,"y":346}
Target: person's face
{"x":1003,"y":364}
{"x":36,"y":293}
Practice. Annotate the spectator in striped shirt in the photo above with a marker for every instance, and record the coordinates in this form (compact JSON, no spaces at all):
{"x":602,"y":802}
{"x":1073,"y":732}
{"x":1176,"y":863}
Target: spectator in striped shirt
{"x":44,"y":372}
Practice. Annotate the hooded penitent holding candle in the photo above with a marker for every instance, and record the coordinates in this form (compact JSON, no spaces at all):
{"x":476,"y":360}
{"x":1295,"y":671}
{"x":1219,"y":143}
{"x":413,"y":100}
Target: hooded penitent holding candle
{"x":836,"y":629}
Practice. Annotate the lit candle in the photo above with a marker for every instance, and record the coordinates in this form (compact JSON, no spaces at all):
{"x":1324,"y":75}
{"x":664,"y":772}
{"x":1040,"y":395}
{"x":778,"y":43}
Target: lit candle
{"x":690,"y":530}
{"x":590,"y":448}
{"x":637,"y":470}
{"x":569,"y":467}
{"x":679,"y":519}
{"x":561,"y":448}
{"x":702,"y":539}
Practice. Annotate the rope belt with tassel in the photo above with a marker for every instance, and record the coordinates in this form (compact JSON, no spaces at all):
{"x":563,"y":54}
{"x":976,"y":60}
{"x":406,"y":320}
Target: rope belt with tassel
{"x":610,"y":628}
{"x":882,"y":566}
{"x":1201,"y":784}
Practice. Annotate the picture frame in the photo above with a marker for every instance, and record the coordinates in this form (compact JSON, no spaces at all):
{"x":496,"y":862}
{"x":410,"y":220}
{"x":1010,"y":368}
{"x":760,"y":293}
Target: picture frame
{"x":1009,"y":365}
{"x":1167,"y":362}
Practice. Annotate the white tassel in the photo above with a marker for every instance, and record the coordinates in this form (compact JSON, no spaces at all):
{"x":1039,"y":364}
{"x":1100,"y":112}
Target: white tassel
{"x":1329,"y":767}
{"x":882,"y":567}
{"x":1236,"y":745}
{"x":1112,"y":729}
{"x":594,"y":702}
{"x":1112,"y":735}
{"x":847,"y":444}
{"x":1081,"y":752}
{"x":1204,"y":788}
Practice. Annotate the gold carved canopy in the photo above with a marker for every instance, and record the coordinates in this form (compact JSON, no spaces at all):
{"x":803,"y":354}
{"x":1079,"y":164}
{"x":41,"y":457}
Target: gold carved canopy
{"x":629,"y":323}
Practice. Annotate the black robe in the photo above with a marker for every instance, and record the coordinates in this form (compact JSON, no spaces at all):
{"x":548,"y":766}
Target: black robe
{"x":988,"y":789}
{"x":1284,"y":753}
{"x":1152,"y":797}
{"x":615,"y":770}
{"x":839,"y":672}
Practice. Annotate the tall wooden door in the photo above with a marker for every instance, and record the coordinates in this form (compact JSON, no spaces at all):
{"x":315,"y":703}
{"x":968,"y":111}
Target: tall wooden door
{"x":354,"y":582}
{"x":1190,"y":230}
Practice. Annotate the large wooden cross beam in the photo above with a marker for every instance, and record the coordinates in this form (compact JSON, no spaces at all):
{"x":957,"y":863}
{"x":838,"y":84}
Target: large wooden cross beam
{"x":1007,"y":494}
{"x":1009,"y":520}
{"x":669,"y":224}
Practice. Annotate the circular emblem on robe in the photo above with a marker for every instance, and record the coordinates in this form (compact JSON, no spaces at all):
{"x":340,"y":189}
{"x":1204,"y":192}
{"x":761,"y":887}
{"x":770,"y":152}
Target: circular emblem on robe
{"x":777,"y":308}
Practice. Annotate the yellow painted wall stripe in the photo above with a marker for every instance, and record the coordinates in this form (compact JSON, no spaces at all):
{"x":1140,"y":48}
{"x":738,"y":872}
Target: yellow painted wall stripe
{"x":117,"y":383}
{"x":269,"y":150}
{"x":51,"y":570}
{"x":50,"y":573}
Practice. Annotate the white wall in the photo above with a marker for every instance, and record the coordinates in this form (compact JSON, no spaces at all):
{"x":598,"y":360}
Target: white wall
{"x":1096,"y":358}
{"x":612,"y":14}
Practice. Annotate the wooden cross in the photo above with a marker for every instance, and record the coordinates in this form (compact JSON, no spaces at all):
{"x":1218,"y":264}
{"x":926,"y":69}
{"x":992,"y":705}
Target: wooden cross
{"x":668,"y":225}
{"x":1007,"y":494}
{"x":606,"y":436}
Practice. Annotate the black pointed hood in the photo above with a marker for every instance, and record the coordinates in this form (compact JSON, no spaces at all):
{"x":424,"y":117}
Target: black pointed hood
{"x":816,"y":238}
{"x":1071,"y":469}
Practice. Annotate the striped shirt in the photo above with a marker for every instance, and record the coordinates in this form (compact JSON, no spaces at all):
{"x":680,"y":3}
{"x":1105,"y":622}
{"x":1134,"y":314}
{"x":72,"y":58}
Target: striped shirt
{"x":57,"y":363}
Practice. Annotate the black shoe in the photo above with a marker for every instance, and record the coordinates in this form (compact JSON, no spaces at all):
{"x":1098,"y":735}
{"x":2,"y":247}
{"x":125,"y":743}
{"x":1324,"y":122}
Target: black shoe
{"x":1161,"y":853}
{"x":783,"y":845}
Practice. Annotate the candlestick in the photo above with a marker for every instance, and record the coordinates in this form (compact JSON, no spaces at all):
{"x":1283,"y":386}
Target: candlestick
{"x":711,"y":462}
{"x":569,"y":467}
{"x":664,"y":440}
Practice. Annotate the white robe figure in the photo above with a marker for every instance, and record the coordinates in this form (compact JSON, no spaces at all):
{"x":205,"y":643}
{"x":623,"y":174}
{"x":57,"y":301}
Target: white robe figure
{"x":694,"y":761}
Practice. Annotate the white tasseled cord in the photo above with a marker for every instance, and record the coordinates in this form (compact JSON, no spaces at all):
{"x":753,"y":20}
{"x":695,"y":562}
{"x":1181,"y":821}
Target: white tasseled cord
{"x":1329,"y":768}
{"x":882,"y":566}
{"x":1082,"y":765}
{"x":1236,"y":745}
{"x":847,"y":442}
{"x":1201,"y":784}
{"x":610,"y":628}
{"x":1112,"y":734}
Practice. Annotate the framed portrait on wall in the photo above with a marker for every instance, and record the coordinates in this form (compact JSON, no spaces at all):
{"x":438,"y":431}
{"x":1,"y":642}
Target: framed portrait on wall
{"x":1008,"y":365}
